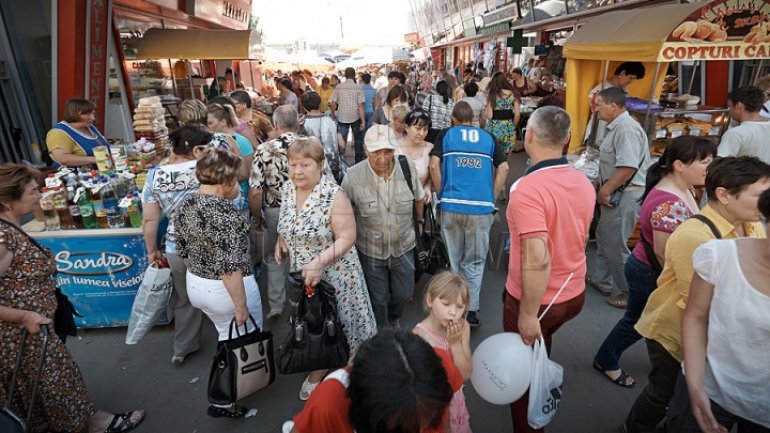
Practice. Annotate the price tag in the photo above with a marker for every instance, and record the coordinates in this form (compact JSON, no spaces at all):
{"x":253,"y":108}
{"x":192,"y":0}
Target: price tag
{"x":677,"y":133}
{"x":661,"y":133}
{"x":714,"y":130}
{"x":695,"y":131}
{"x":52,"y":182}
{"x":125,"y":203}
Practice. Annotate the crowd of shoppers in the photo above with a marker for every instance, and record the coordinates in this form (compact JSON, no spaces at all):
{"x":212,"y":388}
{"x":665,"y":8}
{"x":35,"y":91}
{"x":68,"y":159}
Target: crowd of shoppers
{"x":230,"y":176}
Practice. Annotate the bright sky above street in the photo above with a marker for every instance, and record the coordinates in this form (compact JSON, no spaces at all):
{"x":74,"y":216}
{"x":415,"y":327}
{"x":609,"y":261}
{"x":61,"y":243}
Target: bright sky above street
{"x":363,"y":22}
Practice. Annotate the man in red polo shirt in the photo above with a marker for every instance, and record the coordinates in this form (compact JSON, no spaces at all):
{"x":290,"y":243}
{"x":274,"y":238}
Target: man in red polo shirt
{"x":549,"y":212}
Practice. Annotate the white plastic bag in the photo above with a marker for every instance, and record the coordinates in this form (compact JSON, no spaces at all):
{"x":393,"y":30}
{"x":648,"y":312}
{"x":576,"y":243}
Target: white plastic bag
{"x":545,"y":388}
{"x":150,"y":302}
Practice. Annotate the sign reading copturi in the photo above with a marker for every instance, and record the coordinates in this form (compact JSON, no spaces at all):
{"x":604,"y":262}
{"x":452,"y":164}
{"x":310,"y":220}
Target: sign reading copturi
{"x":100,"y":275}
{"x":721,"y":30}
{"x":97,"y":29}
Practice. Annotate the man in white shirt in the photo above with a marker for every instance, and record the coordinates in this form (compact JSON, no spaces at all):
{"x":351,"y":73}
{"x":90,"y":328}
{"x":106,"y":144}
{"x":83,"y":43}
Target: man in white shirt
{"x":751,"y":136}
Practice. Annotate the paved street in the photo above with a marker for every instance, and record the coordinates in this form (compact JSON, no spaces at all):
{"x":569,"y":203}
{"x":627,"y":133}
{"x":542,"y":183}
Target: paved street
{"x":124,"y":377}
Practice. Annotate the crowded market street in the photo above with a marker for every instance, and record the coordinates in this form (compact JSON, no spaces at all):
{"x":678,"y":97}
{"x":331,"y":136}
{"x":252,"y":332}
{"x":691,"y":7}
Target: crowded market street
{"x":116,"y":374}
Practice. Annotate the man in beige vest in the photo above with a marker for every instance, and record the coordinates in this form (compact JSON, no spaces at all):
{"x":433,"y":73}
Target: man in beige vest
{"x":382,"y":203}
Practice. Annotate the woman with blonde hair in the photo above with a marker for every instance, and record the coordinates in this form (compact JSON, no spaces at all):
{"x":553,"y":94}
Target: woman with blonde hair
{"x":222,"y":119}
{"x":213,"y":237}
{"x":318,"y":231}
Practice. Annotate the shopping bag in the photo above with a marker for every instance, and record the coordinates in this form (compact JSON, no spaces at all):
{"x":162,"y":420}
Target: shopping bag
{"x":150,"y":302}
{"x":545,"y":387}
{"x":243,"y":365}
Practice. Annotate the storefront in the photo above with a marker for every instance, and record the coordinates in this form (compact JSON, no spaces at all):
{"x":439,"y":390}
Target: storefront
{"x":715,"y":32}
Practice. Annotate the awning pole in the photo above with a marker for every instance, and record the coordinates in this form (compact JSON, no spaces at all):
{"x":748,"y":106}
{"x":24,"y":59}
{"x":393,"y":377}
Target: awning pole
{"x":758,"y":71}
{"x":595,"y":119}
{"x":692,"y":77}
{"x":647,"y":116}
{"x":173,"y":79}
{"x":189,"y":78}
{"x":251,"y":74}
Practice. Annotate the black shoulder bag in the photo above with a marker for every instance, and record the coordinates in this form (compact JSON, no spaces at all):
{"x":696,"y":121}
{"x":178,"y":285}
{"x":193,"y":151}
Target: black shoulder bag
{"x":710,"y":224}
{"x":421,"y":257}
{"x":64,"y":316}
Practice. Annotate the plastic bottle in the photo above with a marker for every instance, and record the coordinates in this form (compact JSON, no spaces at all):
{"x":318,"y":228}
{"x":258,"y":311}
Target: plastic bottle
{"x":86,"y":210}
{"x":134,"y":215}
{"x":63,"y":210}
{"x":72,"y":181}
{"x":109,"y":198}
{"x":117,"y":186}
{"x":98,"y":205}
{"x":49,"y":211}
{"x":73,"y":208}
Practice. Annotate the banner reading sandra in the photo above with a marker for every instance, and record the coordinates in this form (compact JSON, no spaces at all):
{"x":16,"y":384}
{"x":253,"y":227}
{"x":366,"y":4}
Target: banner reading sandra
{"x":100,"y":275}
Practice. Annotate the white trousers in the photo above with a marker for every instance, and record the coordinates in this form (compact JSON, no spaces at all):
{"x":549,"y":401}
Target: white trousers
{"x":211,"y":297}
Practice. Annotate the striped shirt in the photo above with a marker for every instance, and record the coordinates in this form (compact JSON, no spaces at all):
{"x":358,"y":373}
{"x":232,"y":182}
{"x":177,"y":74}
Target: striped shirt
{"x":348,"y":96}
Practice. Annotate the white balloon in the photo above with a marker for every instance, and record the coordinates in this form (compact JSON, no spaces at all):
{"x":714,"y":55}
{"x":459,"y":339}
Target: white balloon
{"x":501,"y":368}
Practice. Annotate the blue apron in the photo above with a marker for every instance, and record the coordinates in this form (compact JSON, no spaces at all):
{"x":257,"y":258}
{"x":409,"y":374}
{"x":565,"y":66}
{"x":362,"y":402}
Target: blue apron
{"x":86,"y":144}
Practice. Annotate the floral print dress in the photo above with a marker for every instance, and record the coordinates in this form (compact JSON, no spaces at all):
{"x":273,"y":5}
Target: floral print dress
{"x":503,"y":130}
{"x":28,"y":284}
{"x":307,"y":234}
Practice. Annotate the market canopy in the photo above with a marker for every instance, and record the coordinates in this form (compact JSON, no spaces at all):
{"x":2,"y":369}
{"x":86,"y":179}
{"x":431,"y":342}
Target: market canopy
{"x":200,"y":44}
{"x":717,"y":30}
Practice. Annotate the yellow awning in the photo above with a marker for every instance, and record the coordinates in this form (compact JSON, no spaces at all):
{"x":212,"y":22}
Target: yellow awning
{"x":631,"y":35}
{"x":200,"y":44}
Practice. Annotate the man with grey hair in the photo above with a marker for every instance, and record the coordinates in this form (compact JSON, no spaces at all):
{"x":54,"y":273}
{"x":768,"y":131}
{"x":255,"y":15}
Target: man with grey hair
{"x":549,"y":213}
{"x":624,"y":157}
{"x":270,"y":171}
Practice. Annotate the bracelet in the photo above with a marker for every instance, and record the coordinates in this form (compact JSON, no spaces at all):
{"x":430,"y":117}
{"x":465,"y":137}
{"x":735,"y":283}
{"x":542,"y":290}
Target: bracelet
{"x":421,"y":221}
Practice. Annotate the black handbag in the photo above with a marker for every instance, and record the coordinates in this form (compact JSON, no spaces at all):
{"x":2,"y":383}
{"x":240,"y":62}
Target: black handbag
{"x":438,"y":257}
{"x":316,"y":340}
{"x":421,"y":257}
{"x":242,"y":365}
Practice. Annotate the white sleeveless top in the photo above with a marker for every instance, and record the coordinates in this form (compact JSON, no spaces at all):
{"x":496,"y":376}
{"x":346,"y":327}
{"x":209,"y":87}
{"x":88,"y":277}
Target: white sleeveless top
{"x":737,"y":374}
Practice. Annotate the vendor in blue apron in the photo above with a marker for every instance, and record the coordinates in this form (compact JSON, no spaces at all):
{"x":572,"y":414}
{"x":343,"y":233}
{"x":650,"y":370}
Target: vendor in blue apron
{"x":71,"y":142}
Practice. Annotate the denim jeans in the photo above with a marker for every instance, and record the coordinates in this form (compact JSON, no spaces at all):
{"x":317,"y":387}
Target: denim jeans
{"x":368,"y":123}
{"x":467,"y":243}
{"x":390,"y":283}
{"x":358,"y":137}
{"x":642,"y":280}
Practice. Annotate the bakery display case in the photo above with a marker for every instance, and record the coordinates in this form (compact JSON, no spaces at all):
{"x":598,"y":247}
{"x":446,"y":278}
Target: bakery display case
{"x":667,"y":123}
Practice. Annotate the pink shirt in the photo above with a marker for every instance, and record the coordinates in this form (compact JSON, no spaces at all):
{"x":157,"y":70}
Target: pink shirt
{"x":555,"y":201}
{"x":661,"y":211}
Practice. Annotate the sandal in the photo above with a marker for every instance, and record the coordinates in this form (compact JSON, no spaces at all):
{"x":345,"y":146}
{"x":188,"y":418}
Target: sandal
{"x":221,"y":412}
{"x":121,"y":422}
{"x":307,"y":389}
{"x":621,"y":380}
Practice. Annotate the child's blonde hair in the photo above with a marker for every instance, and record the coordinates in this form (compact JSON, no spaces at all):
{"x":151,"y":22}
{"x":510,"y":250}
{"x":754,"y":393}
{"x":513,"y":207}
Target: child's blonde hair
{"x":447,"y":285}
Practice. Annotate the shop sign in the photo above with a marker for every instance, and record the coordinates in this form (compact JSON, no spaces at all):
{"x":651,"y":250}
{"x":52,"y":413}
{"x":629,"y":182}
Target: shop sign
{"x":502,"y":13}
{"x":721,"y":30}
{"x":100,"y":275}
{"x":412,"y":38}
{"x":496,"y":28}
{"x":469,"y":28}
{"x":97,"y":30}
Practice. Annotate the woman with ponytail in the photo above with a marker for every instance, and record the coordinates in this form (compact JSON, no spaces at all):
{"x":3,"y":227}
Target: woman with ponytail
{"x":222,"y":119}
{"x":668,"y":200}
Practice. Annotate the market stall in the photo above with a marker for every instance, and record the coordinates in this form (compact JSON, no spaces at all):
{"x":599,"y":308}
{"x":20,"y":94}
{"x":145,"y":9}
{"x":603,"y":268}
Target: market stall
{"x":707,"y":31}
{"x":190,"y":44}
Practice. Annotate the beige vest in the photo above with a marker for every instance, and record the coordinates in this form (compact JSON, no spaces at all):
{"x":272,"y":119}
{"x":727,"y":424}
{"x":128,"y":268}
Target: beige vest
{"x":381,"y":231}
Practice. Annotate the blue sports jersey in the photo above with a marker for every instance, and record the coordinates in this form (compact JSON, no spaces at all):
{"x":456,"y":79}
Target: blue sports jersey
{"x":467,"y":171}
